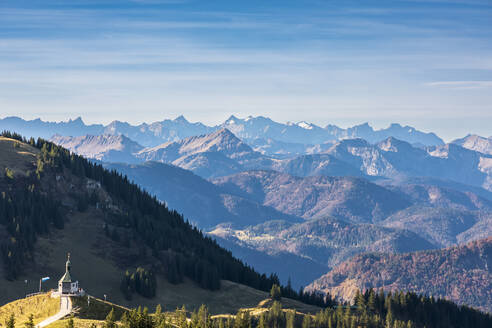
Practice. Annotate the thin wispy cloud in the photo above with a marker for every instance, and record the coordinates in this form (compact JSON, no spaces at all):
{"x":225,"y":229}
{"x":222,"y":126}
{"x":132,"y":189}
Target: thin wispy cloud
{"x":461,"y":84}
{"x":333,"y":60}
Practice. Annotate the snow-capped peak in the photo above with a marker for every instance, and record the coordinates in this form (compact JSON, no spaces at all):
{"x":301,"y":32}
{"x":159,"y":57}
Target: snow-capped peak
{"x":231,"y":120}
{"x":305,"y":125}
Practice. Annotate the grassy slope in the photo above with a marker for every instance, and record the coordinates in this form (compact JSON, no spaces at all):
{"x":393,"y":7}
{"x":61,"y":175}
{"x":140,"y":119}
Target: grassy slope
{"x":43,"y":306}
{"x":96,"y":309}
{"x":40,"y":306}
{"x":16,"y":155}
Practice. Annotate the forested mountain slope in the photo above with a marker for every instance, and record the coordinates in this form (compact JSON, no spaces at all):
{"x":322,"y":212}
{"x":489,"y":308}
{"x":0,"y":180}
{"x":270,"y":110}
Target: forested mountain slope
{"x":317,"y":244}
{"x":351,"y":199}
{"x":462,"y":274}
{"x":111,"y":224}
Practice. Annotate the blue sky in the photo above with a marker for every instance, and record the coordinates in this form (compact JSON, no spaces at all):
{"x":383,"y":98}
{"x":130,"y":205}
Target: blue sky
{"x":423,"y":63}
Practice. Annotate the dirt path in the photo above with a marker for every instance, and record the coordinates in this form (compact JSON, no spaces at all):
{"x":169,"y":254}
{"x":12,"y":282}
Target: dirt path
{"x":65,"y":309}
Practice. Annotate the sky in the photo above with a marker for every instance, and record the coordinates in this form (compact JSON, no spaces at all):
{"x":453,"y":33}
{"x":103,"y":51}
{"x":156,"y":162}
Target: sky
{"x":423,"y":63}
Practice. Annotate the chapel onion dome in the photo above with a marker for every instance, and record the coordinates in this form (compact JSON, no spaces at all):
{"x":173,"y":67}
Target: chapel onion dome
{"x":67,"y":277}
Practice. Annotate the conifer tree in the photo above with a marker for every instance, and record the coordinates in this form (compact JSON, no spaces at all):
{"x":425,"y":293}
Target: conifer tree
{"x":275,"y":293}
{"x":262,"y":323}
{"x":290,"y":318}
{"x":306,"y":322}
{"x":30,"y":322}
{"x":11,"y":321}
{"x":70,"y":323}
{"x":110,"y":321}
{"x":371,"y":302}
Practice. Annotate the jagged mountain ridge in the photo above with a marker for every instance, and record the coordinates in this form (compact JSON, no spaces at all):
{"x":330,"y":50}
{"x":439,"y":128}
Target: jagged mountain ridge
{"x":396,"y":159}
{"x":462,"y":274}
{"x":217,"y":154}
{"x":476,"y":143}
{"x":221,"y":153}
{"x":106,"y":148}
{"x":261,"y":127}
{"x":249,"y":129}
{"x":222,"y":141}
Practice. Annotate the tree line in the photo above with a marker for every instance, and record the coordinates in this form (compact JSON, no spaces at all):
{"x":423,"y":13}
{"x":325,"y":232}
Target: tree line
{"x":370,"y":309}
{"x":142,"y":281}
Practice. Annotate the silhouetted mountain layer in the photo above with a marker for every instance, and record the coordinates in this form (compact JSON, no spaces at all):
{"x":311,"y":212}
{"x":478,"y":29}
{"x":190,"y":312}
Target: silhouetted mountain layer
{"x":202,"y":202}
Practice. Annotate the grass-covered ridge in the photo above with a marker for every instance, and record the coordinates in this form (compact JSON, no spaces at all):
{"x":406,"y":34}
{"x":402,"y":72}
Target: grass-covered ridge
{"x":40,"y":306}
{"x":96,"y":309}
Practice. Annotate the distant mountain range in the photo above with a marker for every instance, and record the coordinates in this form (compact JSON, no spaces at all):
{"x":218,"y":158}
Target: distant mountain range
{"x":106,"y":148}
{"x":294,"y":137}
{"x":387,"y":197}
{"x":252,"y":128}
{"x":221,"y":153}
{"x":462,"y":274}
{"x":393,"y":158}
